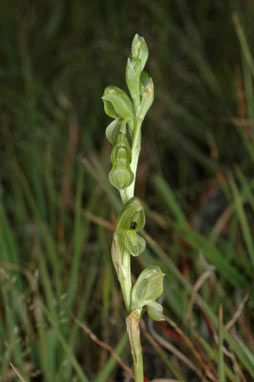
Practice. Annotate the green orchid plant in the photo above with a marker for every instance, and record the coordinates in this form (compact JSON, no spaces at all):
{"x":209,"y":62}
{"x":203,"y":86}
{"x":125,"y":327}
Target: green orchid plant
{"x":124,"y":133}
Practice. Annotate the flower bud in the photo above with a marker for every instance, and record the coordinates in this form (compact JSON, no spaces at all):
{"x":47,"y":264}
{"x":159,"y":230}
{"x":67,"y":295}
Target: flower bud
{"x":133,"y":71}
{"x":146,"y":100}
{"x":139,"y":50}
{"x":148,"y":287}
{"x":117,"y":104}
{"x":121,"y":152}
{"x":120,"y":176}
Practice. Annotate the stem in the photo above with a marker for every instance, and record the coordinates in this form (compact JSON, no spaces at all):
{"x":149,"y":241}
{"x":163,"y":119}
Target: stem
{"x":135,"y":150}
{"x":132,"y":320}
{"x":132,"y":324}
{"x":128,"y":192}
{"x":122,"y":263}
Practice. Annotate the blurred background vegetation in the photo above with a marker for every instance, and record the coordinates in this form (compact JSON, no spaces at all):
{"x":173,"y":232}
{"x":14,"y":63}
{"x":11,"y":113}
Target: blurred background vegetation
{"x":57,"y":209}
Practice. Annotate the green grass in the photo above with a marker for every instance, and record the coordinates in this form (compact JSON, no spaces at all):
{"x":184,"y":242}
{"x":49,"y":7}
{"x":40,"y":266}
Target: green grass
{"x":56,"y":205}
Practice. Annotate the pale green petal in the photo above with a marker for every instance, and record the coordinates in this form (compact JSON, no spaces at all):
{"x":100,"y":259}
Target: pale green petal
{"x":154,"y":310}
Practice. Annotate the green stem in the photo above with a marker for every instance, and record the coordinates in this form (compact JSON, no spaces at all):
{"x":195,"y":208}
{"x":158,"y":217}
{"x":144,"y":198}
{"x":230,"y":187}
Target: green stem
{"x":133,"y":329}
{"x":138,"y":361}
{"x":132,"y":320}
{"x":128,"y":192}
{"x":122,"y":263}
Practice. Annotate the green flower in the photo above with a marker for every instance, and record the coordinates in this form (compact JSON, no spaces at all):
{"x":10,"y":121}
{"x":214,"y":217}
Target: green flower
{"x":131,"y":220}
{"x":131,"y":216}
{"x":120,"y":176}
{"x":117,"y":104}
{"x":149,"y":287}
